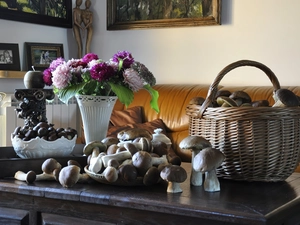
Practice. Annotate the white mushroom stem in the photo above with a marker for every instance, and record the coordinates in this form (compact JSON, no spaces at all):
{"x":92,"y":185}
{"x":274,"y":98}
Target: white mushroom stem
{"x":96,"y":163}
{"x":196,"y":176}
{"x":83,"y":178}
{"x":211,"y":182}
{"x":46,"y":176}
{"x":120,"y":156}
{"x":174,"y":187}
{"x":111,"y":174}
{"x":29,"y":177}
{"x":159,"y":160}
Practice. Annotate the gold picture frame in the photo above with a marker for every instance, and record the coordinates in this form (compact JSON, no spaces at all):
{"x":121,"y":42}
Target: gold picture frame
{"x":124,"y":15}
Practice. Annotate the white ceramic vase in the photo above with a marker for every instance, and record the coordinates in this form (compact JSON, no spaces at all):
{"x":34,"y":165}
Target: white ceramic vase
{"x":95,"y":113}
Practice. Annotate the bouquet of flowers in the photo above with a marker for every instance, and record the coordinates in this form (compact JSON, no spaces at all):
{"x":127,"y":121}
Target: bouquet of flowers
{"x":121,"y":76}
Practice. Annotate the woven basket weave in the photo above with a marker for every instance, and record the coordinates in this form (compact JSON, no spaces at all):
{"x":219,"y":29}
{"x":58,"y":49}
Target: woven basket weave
{"x":259,"y":143}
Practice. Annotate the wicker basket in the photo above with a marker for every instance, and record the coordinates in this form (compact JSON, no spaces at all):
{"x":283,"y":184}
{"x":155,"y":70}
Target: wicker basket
{"x":259,"y":143}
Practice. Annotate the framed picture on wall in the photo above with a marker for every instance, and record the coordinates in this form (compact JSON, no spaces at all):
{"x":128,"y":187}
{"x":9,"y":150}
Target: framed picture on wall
{"x":40,"y":55}
{"x":52,"y":13}
{"x":140,"y":14}
{"x":9,"y":57}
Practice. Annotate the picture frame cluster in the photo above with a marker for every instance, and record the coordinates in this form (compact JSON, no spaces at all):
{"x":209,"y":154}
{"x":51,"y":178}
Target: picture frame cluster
{"x":38,"y":56}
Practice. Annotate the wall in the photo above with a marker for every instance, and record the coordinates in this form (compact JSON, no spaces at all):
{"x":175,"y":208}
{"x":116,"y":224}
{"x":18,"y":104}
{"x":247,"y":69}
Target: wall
{"x":266,"y":31}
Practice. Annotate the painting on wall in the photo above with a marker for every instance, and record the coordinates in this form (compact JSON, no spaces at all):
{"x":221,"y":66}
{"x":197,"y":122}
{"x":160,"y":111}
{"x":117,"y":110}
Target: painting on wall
{"x":51,"y":12}
{"x":40,"y":55}
{"x":9,"y":57}
{"x":140,"y":14}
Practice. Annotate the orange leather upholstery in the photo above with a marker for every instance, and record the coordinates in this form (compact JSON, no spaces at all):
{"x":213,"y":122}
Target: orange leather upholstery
{"x":173,"y":99}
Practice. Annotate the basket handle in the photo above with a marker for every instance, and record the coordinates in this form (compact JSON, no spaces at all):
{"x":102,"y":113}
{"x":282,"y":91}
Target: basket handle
{"x":212,"y":91}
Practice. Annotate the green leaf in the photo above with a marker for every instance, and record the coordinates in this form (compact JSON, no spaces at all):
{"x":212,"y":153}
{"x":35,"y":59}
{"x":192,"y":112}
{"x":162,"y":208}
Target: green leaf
{"x":69,"y":92}
{"x":154,"y":97}
{"x":89,"y":88}
{"x":124,"y":94}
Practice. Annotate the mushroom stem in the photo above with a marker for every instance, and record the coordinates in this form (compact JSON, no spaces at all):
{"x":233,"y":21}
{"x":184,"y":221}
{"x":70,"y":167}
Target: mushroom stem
{"x":196,"y":177}
{"x":29,"y":177}
{"x":211,"y":182}
{"x":159,"y":160}
{"x":174,"y":187}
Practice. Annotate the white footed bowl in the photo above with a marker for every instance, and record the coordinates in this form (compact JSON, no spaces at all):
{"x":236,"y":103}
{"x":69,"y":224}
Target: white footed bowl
{"x":40,"y":148}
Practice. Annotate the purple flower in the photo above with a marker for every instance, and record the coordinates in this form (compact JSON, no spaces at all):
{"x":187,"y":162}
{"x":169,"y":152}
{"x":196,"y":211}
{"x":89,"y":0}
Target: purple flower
{"x":125,"y":56}
{"x":47,"y":77}
{"x":89,"y":57}
{"x":101,"y":72}
{"x":55,"y":63}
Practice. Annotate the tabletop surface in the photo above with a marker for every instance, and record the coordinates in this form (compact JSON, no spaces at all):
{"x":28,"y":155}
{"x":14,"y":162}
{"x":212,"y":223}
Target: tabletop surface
{"x":238,"y":201}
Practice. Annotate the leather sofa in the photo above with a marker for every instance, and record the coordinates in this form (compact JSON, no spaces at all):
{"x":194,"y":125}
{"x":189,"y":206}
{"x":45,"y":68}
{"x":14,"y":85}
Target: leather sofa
{"x":173,"y":99}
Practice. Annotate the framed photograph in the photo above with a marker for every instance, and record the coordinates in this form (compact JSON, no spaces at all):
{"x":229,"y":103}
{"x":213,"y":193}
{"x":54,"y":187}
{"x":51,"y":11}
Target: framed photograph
{"x":52,"y":13}
{"x":141,"y":14}
{"x":40,"y":55}
{"x":9,"y":57}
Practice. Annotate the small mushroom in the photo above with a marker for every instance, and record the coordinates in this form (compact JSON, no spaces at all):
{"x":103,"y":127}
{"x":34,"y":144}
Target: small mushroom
{"x":133,"y":133}
{"x":207,"y":161}
{"x":260,"y":103}
{"x":119,"y":156}
{"x":152,"y":176}
{"x":240,"y":97}
{"x":96,"y":161}
{"x":196,"y":101}
{"x":285,"y":98}
{"x":195,"y":144}
{"x":111,"y":174}
{"x":70,"y":175}
{"x":174,"y":175}
{"x":128,"y":173}
{"x":108,"y":141}
{"x":29,"y":177}
{"x":89,"y":147}
{"x":51,"y":169}
{"x":224,"y":101}
{"x":222,"y":93}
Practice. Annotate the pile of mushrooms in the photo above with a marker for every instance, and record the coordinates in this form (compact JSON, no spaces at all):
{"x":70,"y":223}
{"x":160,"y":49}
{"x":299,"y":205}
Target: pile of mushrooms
{"x":224,"y":98}
{"x":205,"y":160}
{"x":67,"y":176}
{"x":133,"y":155}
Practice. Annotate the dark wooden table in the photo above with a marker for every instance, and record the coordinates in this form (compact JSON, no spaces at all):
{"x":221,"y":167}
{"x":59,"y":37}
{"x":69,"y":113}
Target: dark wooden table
{"x":237,"y":203}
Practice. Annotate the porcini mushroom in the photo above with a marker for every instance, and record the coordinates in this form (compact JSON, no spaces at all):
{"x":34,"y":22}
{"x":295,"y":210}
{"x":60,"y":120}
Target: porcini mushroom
{"x":51,"y":169}
{"x":224,"y":101}
{"x":240,"y":97}
{"x":285,"y":98}
{"x":174,"y":175}
{"x":133,"y":133}
{"x":207,"y":161}
{"x":195,"y":144}
{"x":89,"y":147}
{"x":70,"y":175}
{"x":29,"y":177}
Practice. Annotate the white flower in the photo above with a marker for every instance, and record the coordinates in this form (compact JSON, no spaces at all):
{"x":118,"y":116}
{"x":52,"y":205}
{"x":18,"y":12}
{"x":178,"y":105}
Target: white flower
{"x":132,"y":78}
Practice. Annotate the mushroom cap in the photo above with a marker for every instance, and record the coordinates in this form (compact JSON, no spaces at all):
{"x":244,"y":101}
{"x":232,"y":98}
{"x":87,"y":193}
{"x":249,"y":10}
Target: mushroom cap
{"x":226,"y":101}
{"x":131,"y":147}
{"x":196,"y":101}
{"x":152,"y":176}
{"x":194,"y":143}
{"x":88,"y":148}
{"x":108,"y":141}
{"x":133,"y":133}
{"x":128,"y":173}
{"x":142,"y":161}
{"x":260,"y":103}
{"x":174,"y":173}
{"x":222,"y":93}
{"x":49,"y":165}
{"x":208,"y":159}
{"x":241,"y":95}
{"x":31,"y":176}
{"x":69,"y":176}
{"x":286,"y":97}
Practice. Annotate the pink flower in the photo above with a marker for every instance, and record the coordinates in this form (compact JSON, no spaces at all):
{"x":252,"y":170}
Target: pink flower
{"x":62,"y":76}
{"x":47,"y":77}
{"x":132,"y":78}
{"x":89,"y":57}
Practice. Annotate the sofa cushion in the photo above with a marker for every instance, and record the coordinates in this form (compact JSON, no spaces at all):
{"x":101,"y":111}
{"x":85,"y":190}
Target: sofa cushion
{"x":127,"y":116}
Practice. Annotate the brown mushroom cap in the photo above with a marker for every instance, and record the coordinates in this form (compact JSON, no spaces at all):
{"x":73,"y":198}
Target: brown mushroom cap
{"x":49,"y":165}
{"x":286,"y":97}
{"x":69,"y":176}
{"x":208,"y":159}
{"x":194,"y":143}
{"x":133,"y":133}
{"x":152,"y":176}
{"x":88,"y":148}
{"x":224,"y":101}
{"x":174,"y":173}
{"x":108,"y":141}
{"x":128,"y":173}
{"x":260,"y":103}
{"x":240,"y":95}
{"x":142,"y":161}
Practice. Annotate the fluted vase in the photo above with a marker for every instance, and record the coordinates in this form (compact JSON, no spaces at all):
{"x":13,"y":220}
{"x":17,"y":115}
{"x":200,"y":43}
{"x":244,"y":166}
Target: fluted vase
{"x":95,"y":113}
